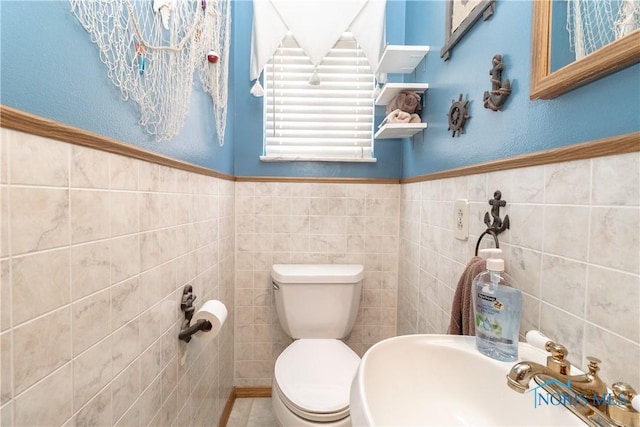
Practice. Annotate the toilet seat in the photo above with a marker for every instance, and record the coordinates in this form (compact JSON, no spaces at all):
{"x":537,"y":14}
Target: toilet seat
{"x":313,"y":378}
{"x":313,"y":417}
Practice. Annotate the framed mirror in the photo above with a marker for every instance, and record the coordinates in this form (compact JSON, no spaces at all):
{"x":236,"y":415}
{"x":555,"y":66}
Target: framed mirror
{"x":547,"y":84}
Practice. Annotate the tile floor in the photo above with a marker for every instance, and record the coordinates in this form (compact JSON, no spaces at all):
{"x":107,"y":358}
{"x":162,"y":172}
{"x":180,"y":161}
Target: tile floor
{"x":252,"y":412}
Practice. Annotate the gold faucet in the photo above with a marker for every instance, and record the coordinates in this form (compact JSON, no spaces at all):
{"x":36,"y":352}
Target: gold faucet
{"x":602,"y":407}
{"x":589,"y":386}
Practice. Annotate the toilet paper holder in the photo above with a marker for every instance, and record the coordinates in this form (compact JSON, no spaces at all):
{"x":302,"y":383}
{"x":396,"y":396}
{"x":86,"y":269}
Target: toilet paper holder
{"x":187,"y":307}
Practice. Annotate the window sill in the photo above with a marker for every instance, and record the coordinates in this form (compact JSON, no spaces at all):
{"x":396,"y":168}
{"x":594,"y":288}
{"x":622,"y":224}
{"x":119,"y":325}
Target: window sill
{"x":316,"y":159}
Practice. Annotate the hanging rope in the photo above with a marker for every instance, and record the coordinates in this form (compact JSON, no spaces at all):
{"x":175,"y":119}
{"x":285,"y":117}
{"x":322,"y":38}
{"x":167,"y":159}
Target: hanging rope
{"x":593,"y":24}
{"x":152,"y":50}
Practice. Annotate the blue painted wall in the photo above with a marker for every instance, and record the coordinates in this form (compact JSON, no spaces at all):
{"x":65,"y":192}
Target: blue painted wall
{"x":50,"y":68}
{"x":609,"y":106}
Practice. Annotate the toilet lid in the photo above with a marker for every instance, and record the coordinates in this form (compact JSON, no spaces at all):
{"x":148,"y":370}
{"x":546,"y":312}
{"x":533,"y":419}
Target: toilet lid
{"x":316,"y":374}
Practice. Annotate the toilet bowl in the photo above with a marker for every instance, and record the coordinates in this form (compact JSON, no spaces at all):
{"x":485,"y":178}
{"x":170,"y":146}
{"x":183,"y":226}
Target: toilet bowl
{"x":317,"y":306}
{"x":312,"y":382}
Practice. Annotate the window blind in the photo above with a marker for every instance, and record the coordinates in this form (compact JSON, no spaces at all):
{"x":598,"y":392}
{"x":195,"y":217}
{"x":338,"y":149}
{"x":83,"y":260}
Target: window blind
{"x":331,"y":121}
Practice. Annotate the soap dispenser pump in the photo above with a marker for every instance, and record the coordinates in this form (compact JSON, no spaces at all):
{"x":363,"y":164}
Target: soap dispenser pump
{"x":497,"y":309}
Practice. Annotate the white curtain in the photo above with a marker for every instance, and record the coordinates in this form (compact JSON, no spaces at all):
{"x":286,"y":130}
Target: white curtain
{"x":316,"y":25}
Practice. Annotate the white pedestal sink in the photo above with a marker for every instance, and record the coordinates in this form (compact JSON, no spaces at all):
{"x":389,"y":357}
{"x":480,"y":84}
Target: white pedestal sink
{"x":437,"y":380}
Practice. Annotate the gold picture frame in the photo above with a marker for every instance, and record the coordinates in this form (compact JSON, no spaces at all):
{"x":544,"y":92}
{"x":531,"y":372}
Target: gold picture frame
{"x":604,"y":61}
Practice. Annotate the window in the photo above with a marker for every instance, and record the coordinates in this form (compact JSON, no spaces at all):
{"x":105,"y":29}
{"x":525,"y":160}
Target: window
{"x":330,"y":121}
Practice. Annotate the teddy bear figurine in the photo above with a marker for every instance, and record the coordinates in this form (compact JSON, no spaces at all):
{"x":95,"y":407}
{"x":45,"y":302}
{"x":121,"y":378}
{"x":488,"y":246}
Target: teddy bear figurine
{"x":403,"y":108}
{"x":406,"y":101}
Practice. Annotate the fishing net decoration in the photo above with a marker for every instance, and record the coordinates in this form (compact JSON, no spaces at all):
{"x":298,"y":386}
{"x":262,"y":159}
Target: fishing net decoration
{"x":593,"y":24}
{"x":152,"y":48}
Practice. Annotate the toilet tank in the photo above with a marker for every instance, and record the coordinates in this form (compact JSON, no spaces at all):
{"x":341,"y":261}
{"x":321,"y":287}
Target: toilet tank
{"x":317,"y":300}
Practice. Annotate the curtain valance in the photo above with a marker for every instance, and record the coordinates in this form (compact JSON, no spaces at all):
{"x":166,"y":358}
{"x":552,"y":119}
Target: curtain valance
{"x":316,"y":25}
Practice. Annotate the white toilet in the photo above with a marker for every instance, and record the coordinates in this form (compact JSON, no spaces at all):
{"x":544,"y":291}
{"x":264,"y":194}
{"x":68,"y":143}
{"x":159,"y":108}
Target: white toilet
{"x":317,"y":305}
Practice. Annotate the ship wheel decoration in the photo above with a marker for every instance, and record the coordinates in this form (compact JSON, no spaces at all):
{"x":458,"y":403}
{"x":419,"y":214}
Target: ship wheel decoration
{"x":458,"y":116}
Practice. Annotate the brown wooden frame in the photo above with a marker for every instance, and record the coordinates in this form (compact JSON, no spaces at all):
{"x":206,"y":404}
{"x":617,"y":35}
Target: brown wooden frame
{"x":606,"y":60}
{"x":452,"y":36}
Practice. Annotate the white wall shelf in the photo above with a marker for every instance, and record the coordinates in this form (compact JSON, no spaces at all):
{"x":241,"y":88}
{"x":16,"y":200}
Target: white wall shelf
{"x":401,"y":59}
{"x":390,"y":90}
{"x":399,"y":130}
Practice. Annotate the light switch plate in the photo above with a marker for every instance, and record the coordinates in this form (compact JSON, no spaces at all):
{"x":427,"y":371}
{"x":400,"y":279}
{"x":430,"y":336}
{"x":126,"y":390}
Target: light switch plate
{"x":461,"y":219}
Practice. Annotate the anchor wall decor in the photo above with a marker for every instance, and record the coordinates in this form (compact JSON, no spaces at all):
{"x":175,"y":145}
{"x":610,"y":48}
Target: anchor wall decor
{"x":498,"y":225}
{"x":500,"y":90}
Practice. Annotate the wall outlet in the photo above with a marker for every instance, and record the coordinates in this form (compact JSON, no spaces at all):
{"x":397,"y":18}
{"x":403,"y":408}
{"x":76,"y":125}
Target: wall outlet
{"x":461,"y":219}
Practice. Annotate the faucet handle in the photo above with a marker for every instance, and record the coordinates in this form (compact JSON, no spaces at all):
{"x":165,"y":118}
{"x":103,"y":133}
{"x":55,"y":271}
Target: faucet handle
{"x":538,"y":339}
{"x":558,"y":351}
{"x":558,"y":360}
{"x":593,"y":364}
{"x":623,"y":392}
{"x":626,"y":410}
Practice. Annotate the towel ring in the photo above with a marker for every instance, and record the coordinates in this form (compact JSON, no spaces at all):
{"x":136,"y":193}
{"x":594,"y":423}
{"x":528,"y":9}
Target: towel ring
{"x":487,"y":231}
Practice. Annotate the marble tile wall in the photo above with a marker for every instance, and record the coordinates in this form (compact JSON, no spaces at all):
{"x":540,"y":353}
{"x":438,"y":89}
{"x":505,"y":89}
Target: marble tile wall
{"x":311,"y":223}
{"x":573,"y":249}
{"x":95,"y":249}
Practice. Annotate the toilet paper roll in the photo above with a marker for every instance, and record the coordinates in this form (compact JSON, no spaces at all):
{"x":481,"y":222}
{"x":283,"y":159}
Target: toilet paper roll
{"x":215,"y":312}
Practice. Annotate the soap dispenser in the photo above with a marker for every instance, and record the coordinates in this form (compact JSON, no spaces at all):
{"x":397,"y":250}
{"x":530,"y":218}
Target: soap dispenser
{"x":497,"y":309}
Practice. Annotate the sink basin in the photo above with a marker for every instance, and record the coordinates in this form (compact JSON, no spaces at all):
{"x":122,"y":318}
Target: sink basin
{"x":422,"y":380}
